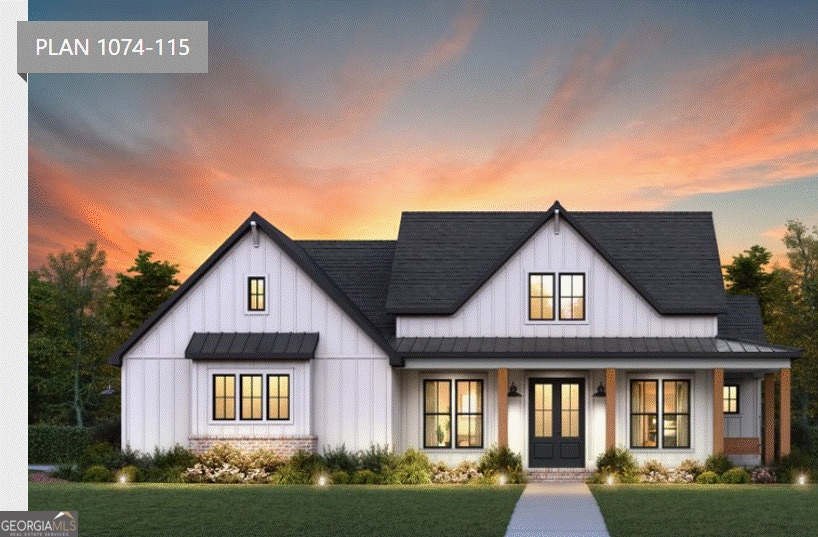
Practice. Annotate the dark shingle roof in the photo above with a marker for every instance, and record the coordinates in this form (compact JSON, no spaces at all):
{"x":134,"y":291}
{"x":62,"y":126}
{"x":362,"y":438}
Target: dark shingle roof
{"x":252,"y":346}
{"x":584,"y":347}
{"x":671,"y":258}
{"x":742,"y":320}
{"x":361,"y":269}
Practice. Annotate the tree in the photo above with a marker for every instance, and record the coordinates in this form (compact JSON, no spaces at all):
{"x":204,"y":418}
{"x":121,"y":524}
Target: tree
{"x":747,"y":275}
{"x":71,"y":334}
{"x":136,"y":297}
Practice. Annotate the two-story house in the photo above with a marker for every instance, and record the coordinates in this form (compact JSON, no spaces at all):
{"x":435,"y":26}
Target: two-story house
{"x":557,"y":333}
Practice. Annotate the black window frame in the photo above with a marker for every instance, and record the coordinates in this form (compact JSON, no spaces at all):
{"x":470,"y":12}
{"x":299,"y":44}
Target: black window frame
{"x":426,"y":413}
{"x":554,"y":289}
{"x":224,"y":397}
{"x":262,"y":295}
{"x":657,"y":414}
{"x":457,"y":414}
{"x":252,"y":396}
{"x":572,"y":296}
{"x":676,"y":415}
{"x":726,"y":399}
{"x":278,"y":397}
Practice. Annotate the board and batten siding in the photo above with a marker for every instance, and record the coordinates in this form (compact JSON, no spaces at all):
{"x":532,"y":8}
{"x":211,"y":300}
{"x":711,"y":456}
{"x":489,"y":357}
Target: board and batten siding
{"x":164,"y":395}
{"x":500,"y":307}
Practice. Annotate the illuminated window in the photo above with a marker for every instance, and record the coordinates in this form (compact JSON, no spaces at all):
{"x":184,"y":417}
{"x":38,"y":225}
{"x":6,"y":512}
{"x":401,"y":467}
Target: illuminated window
{"x":278,"y":397}
{"x":469,"y":413}
{"x":644,"y":413}
{"x":541,"y":297}
{"x":674,"y":416}
{"x":224,"y":397}
{"x":572,"y":297}
{"x":437,"y":413}
{"x":255,"y":294}
{"x":251,"y":397}
{"x":730,"y":399}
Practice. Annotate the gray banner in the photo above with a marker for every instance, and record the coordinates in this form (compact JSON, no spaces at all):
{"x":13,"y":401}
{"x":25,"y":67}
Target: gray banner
{"x":39,"y":523}
{"x":112,"y":47}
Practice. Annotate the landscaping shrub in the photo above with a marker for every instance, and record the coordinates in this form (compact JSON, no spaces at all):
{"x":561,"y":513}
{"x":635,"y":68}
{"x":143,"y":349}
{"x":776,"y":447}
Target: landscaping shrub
{"x":96,"y":474}
{"x":108,"y":431}
{"x":223,"y":454}
{"x":413,"y":468}
{"x":68,"y":471}
{"x":798,"y":462}
{"x":131,"y":473}
{"x":707,"y":477}
{"x":653,"y":471}
{"x":366,"y":477}
{"x":52,"y":444}
{"x":341,"y":459}
{"x":501,"y":460}
{"x":96,"y":454}
{"x":735,"y":476}
{"x":718,"y":463}
{"x":618,"y":462}
{"x":378,"y":459}
{"x":340,"y":477}
{"x":465,"y":472}
{"x":263,"y":459}
{"x":691,"y":466}
{"x":763,"y":474}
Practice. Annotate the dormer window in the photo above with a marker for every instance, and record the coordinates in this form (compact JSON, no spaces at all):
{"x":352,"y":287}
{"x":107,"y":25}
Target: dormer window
{"x":572,"y":297}
{"x":256,"y":294}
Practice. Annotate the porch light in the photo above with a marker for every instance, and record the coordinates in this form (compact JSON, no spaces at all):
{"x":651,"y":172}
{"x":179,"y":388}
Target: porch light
{"x":600,"y":391}
{"x":512,"y":391}
{"x":108,"y":391}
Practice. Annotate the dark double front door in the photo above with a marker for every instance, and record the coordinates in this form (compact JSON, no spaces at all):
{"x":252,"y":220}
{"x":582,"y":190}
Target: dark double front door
{"x":556,"y":426}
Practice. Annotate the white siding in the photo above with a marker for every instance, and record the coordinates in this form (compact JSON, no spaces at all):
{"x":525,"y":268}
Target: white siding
{"x":344,"y":395}
{"x":747,"y":423}
{"x":499,"y":307}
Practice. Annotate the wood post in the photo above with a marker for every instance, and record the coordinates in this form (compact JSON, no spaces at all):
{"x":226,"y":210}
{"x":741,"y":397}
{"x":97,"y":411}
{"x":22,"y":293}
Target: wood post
{"x":718,"y":411}
{"x":610,"y":408}
{"x":502,"y":407}
{"x":785,"y":417}
{"x":769,"y":418}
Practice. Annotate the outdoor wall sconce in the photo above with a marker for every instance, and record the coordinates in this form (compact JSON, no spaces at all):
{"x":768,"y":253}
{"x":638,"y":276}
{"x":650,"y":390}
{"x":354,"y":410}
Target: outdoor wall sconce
{"x":600,"y":391}
{"x":512,"y":391}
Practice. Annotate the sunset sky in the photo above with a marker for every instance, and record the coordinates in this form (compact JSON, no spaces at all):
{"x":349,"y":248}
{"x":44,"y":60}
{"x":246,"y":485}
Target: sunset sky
{"x":329,"y":119}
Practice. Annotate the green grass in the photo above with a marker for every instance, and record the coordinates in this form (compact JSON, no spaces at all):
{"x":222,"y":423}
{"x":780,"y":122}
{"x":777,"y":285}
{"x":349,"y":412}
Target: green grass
{"x":708,"y":510}
{"x":217,"y":510}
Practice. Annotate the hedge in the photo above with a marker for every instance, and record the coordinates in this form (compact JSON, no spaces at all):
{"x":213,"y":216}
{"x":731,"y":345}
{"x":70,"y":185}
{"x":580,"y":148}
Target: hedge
{"x":52,"y":444}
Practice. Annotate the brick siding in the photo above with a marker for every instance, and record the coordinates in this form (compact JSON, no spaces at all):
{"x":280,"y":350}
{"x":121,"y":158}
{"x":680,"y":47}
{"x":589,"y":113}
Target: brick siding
{"x":284,"y":446}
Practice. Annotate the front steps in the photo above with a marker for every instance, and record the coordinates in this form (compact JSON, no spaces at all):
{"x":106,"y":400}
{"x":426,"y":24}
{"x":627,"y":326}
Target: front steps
{"x":558,"y":475}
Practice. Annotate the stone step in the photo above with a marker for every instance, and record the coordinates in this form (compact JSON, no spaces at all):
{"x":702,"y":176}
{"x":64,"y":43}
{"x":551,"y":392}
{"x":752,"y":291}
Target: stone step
{"x":558,"y":475}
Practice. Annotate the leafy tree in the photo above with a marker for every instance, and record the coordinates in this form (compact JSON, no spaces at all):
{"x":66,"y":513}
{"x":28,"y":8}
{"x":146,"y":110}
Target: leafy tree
{"x":746,"y":275}
{"x":136,"y":297}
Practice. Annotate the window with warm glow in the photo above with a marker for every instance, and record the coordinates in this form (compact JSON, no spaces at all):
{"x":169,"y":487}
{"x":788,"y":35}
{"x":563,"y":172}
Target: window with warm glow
{"x":469,"y":413}
{"x":278,"y":397}
{"x":730,"y":399}
{"x":224,"y":397}
{"x":251,"y":397}
{"x":256,"y":299}
{"x":644,"y":413}
{"x":676,"y":418}
{"x":673,"y":414}
{"x":541,"y":297}
{"x":572,"y":297}
{"x":437,"y":413}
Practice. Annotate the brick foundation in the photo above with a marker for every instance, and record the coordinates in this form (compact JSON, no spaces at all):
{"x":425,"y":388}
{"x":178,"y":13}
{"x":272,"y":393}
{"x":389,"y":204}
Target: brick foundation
{"x":558,"y":475}
{"x":284,"y":446}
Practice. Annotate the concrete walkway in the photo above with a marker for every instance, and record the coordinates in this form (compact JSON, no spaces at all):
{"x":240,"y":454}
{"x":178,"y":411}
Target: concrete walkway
{"x":557,"y":510}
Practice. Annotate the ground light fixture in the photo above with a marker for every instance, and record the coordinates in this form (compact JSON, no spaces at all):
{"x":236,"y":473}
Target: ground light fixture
{"x":502,"y":479}
{"x":610,"y":480}
{"x":802,"y":479}
{"x":123,"y":478}
{"x":323,"y":481}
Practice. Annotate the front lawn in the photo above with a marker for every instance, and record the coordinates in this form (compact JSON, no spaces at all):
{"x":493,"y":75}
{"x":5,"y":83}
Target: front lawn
{"x":708,"y":510}
{"x":216,"y":510}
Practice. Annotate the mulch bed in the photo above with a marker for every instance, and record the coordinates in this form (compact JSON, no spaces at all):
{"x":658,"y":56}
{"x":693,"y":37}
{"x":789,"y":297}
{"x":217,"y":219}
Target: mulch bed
{"x":43,"y":477}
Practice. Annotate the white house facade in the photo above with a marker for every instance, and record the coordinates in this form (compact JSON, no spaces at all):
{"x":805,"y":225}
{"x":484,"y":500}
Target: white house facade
{"x":559,"y":334}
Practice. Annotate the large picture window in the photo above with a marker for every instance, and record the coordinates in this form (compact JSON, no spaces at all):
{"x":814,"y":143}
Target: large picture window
{"x":541,"y":297}
{"x":469,"y":413}
{"x":673,"y":414}
{"x":437,"y":413}
{"x":224,"y":397}
{"x":278,"y":397}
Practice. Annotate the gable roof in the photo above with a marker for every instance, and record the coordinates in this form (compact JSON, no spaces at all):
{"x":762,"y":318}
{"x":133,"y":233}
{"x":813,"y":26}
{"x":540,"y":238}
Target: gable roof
{"x":289,"y":247}
{"x":670,"y":258}
{"x":362,"y":270}
{"x":742,"y":320}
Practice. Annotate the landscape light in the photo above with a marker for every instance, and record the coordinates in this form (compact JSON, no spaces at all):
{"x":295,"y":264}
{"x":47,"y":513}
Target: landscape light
{"x":502,"y":479}
{"x":123,"y":478}
{"x":802,"y":479}
{"x":610,"y":480}
{"x":323,"y":481}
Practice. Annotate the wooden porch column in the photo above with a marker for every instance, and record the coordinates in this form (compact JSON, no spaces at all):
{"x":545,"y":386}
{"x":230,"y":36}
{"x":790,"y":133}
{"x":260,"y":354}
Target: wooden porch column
{"x":718,"y":411}
{"x":769,"y":418}
{"x":502,"y":407}
{"x":610,"y":408}
{"x":784,"y":425}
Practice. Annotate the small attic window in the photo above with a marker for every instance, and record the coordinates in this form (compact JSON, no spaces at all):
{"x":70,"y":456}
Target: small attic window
{"x":256,"y":294}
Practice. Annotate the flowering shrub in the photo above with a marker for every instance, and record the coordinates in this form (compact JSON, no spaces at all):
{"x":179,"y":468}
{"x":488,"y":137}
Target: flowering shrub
{"x":464,"y":472}
{"x":763,"y":474}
